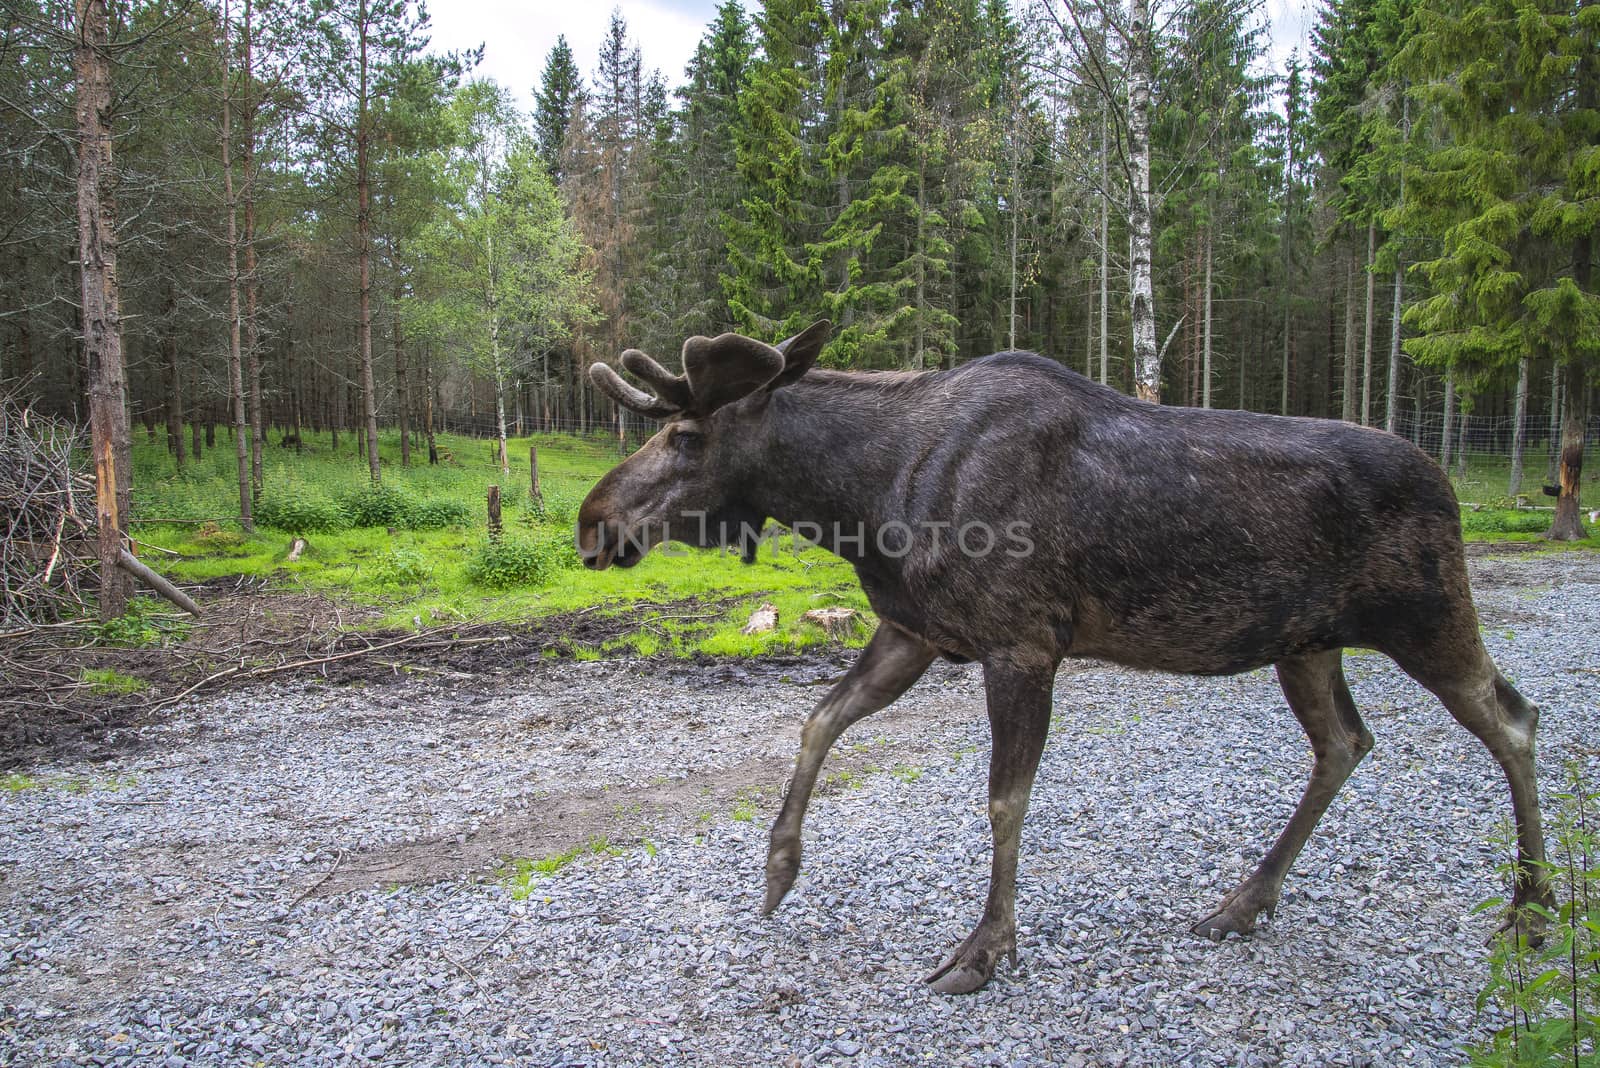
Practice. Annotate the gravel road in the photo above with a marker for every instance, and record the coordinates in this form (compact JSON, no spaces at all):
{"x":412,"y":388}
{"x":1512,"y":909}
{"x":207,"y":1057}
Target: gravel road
{"x":314,"y":874}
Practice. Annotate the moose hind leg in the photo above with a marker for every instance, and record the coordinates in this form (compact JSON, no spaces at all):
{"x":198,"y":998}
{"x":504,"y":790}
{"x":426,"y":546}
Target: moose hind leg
{"x":1019,"y":719}
{"x":892,"y":661}
{"x":1315,"y":687}
{"x":1482,"y":701}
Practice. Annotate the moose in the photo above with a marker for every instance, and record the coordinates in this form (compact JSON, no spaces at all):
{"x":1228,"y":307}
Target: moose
{"x":1176,"y":539}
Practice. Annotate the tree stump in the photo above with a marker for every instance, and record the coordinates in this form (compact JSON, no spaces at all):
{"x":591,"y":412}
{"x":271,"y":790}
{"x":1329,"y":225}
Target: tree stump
{"x":762,"y":620}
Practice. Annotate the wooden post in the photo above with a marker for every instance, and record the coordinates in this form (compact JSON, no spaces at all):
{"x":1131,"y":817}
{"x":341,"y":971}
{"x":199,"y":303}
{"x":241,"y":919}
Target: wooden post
{"x":534,"y":495}
{"x":494,"y":513}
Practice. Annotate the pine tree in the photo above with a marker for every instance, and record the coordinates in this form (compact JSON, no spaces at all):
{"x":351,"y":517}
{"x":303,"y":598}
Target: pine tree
{"x":556,"y":99}
{"x":773,"y":282}
{"x":1514,"y":189}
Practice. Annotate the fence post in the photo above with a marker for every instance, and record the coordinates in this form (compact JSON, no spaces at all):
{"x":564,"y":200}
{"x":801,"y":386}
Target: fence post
{"x":494,"y":513}
{"x":536,"y":497}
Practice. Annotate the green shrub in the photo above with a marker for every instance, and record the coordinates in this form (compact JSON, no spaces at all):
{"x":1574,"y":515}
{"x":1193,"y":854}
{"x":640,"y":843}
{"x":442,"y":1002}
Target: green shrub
{"x":300,"y":509}
{"x":378,"y":506}
{"x":520,"y":561}
{"x":435,"y":513}
{"x":1551,"y":994}
{"x":139,"y":626}
{"x":401,"y":567}
{"x":1504,"y":521}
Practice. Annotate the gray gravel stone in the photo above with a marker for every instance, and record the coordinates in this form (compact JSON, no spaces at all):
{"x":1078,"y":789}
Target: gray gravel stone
{"x":164,"y":908}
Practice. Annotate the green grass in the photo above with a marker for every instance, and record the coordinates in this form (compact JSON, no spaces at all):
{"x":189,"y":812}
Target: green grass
{"x":105,"y":682}
{"x":15,"y":783}
{"x":525,"y":874}
{"x":414,"y":573}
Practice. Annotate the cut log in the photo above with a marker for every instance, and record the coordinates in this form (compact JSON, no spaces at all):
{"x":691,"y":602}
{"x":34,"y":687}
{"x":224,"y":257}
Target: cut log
{"x":840,"y":623}
{"x":133,"y":566}
{"x":762,"y":619}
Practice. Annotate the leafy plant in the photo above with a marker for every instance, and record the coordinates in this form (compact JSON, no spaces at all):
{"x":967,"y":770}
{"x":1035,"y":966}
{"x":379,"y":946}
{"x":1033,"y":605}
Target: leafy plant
{"x":140,"y":626}
{"x":520,"y":561}
{"x":401,"y":567}
{"x":301,"y":510}
{"x":436,"y":513}
{"x":377,"y":506}
{"x":1550,"y":994}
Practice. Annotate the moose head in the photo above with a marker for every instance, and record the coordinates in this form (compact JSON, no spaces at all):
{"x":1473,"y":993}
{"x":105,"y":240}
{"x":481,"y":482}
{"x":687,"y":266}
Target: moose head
{"x":686,"y":484}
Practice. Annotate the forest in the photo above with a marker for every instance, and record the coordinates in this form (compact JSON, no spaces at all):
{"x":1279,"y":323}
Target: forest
{"x":269,"y":217}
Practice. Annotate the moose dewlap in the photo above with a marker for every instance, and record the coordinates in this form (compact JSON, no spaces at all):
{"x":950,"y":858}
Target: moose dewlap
{"x":1176,"y":539}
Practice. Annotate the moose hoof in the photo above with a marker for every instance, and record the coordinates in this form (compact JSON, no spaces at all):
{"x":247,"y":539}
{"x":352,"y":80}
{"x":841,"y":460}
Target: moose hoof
{"x":783,"y":864}
{"x":1236,"y":915}
{"x":973,"y":962}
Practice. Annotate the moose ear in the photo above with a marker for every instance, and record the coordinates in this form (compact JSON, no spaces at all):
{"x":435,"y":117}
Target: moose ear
{"x":800,"y":352}
{"x":725,"y":368}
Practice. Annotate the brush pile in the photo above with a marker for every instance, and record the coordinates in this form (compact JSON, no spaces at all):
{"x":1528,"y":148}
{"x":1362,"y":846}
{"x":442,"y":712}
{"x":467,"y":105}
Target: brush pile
{"x":47,"y":549}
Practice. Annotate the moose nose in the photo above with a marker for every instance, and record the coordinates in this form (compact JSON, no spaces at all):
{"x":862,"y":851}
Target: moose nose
{"x":595,"y":548}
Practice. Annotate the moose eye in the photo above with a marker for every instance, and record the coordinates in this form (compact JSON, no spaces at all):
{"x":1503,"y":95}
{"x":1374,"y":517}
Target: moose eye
{"x":687,"y":442}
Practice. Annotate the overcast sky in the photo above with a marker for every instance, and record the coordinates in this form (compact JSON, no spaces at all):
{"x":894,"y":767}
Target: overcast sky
{"x":518,"y":34}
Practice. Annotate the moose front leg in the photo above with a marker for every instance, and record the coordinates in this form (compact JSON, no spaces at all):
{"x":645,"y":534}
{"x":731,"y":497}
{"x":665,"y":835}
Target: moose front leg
{"x":887,"y":667}
{"x":1019,"y":719}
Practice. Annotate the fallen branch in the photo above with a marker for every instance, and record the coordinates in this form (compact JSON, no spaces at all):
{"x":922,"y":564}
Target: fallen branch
{"x":262,"y":672}
{"x":133,"y":566}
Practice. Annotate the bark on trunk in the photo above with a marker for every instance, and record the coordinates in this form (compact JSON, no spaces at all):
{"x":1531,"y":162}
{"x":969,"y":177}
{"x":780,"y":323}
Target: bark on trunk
{"x":1567,"y":525}
{"x":100,"y":311}
{"x":174,"y":383}
{"x":427,"y":410}
{"x":1449,"y":417}
{"x":1347,"y":408}
{"x":1142,"y":301}
{"x":1366,"y":344}
{"x":369,"y":388}
{"x":401,"y":383}
{"x":1205,"y":360}
{"x":1518,"y":433}
{"x":231,"y":211}
{"x":1391,"y":415}
{"x":252,"y":348}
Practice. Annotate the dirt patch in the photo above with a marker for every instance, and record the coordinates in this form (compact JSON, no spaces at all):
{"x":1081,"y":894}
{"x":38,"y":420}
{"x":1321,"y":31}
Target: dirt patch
{"x":49,"y":711}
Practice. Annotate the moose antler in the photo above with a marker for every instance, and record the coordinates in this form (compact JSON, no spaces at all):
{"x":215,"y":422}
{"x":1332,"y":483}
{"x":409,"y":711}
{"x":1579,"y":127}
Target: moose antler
{"x":717,"y":371}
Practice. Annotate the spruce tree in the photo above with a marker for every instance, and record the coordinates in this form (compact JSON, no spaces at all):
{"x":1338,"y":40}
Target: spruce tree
{"x":1513,"y":186}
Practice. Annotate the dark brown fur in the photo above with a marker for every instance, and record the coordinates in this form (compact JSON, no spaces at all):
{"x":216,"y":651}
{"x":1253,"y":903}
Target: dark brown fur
{"x":1176,"y":539}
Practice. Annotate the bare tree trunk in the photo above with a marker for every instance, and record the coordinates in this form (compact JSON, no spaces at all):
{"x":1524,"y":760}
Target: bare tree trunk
{"x":1105,"y":251}
{"x":174,"y":383}
{"x":1518,"y":431}
{"x":1205,"y":359}
{"x":252,"y":335}
{"x":231,"y":210}
{"x":1391,"y":417}
{"x":1567,"y":525}
{"x":1554,"y":440}
{"x":369,"y":388}
{"x":1347,"y":410}
{"x":427,"y":408}
{"x":1146,"y":357}
{"x":401,"y":384}
{"x":1449,"y":418}
{"x":1011,"y":315}
{"x":100,"y":309}
{"x":1366,"y":344}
